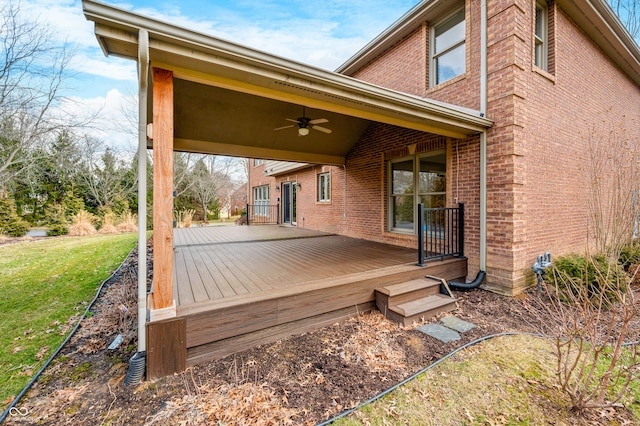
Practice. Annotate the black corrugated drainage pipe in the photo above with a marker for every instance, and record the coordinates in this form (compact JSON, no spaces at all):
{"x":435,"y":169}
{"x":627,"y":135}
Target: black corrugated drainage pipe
{"x":471,"y":285}
{"x":137,"y":367}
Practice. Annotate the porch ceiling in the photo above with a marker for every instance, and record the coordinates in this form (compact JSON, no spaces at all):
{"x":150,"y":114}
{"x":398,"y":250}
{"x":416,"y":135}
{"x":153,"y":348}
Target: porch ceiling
{"x":209,"y":117}
{"x":229,"y":98}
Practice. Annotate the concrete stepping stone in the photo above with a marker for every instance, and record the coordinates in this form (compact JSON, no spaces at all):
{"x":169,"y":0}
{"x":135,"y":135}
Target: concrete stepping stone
{"x":439,"y":332}
{"x":456,"y":324}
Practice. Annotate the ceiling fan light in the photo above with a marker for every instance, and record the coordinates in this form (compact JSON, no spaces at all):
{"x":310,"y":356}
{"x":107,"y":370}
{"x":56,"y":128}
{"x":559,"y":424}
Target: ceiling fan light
{"x":303,"y":131}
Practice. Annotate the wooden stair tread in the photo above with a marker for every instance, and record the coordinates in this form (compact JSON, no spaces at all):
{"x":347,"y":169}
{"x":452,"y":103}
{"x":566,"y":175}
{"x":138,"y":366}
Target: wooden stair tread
{"x":408,"y":286}
{"x":424,"y":304}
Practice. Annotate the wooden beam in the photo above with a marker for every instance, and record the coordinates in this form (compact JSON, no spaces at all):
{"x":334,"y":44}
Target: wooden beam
{"x":166,"y":347}
{"x":204,"y":147}
{"x":162,"y":189}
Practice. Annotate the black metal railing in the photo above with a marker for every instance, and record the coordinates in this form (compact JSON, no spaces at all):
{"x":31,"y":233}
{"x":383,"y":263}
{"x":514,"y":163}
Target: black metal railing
{"x":265,"y":214}
{"x":440,"y":233}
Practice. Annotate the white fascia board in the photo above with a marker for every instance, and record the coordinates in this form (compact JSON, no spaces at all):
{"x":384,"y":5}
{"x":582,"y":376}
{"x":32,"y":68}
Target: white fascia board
{"x":115,"y":22}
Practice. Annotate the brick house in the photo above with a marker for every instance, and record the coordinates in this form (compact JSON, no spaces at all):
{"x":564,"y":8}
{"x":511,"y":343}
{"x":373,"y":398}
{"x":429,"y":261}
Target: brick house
{"x":560,"y":76}
{"x":499,"y":105}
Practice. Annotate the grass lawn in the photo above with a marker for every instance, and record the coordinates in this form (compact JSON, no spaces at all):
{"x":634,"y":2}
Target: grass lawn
{"x":506,"y":380}
{"x":44,"y":287}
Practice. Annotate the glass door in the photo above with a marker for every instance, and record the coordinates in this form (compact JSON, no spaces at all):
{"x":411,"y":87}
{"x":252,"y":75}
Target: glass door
{"x":294,"y":190}
{"x":289,"y":202}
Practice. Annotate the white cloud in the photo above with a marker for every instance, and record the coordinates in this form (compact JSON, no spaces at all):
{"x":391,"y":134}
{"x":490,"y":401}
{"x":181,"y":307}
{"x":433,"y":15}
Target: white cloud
{"x":65,"y":20}
{"x":110,"y":122}
{"x":112,"y":68}
{"x":323,"y":34}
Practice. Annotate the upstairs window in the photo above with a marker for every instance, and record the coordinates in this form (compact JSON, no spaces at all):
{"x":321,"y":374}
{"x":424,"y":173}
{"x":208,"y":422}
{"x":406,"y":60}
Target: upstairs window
{"x":448,"y":52}
{"x":541,"y":36}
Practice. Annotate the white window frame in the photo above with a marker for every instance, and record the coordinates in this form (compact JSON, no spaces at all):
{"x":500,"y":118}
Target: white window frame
{"x":541,"y":36}
{"x":324,"y":187}
{"x":416,"y":194}
{"x":433,"y":56}
{"x":261,"y":200}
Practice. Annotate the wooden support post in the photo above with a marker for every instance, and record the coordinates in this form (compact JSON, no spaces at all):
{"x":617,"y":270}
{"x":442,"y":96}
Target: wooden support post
{"x":166,"y":347}
{"x":162,"y":297}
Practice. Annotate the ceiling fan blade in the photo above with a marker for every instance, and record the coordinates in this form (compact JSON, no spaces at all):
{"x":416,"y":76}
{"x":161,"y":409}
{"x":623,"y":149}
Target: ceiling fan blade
{"x":284,"y":127}
{"x":318,"y":121}
{"x":292,"y":120}
{"x":322,"y":129}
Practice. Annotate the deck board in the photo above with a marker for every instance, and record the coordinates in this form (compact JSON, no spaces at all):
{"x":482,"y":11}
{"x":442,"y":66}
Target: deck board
{"x":219,"y":281}
{"x":214,"y":263}
{"x":182,"y":293}
{"x":194,"y":267}
{"x":202,"y":263}
{"x":225,"y":282}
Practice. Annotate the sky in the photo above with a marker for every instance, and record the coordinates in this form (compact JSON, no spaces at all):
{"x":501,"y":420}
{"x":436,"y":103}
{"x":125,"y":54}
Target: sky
{"x":322,"y":33}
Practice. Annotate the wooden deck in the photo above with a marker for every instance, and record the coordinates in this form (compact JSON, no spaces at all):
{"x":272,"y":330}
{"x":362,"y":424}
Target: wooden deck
{"x":240,"y":286}
{"x":214,"y":263}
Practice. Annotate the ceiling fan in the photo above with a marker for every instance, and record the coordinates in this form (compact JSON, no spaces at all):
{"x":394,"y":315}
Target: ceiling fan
{"x":305,"y":123}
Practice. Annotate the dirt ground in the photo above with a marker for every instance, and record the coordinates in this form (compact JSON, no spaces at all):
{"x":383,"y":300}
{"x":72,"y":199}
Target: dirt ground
{"x":304,"y":379}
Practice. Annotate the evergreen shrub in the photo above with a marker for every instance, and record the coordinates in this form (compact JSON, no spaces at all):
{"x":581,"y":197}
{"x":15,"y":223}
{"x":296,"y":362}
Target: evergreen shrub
{"x":11,"y":223}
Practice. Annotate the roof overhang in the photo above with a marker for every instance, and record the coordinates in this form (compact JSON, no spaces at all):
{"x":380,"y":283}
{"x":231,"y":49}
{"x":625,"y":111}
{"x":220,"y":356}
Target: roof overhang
{"x":276,"y":168}
{"x":228,"y":98}
{"x":424,"y":11}
{"x":599,"y":22}
{"x":595,"y":17}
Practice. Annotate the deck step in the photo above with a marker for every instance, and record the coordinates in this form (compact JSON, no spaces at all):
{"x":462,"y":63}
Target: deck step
{"x":396,"y":294}
{"x":413,"y":300}
{"x":422,"y":308}
{"x":410,"y":286}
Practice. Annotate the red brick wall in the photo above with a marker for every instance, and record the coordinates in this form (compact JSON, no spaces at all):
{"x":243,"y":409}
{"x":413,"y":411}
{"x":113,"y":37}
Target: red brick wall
{"x":405,"y":66}
{"x":322,"y":216}
{"x":402,"y":67}
{"x":508,"y":25}
{"x":257,"y":178}
{"x":536,"y":151}
{"x":538,"y":195}
{"x":588,"y":101}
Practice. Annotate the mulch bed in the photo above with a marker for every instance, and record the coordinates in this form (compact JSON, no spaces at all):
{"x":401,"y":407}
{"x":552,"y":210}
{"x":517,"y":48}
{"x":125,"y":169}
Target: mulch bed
{"x":304,"y":379}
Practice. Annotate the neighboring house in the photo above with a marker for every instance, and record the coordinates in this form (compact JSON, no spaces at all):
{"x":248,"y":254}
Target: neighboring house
{"x":495,"y":104}
{"x":561,"y":78}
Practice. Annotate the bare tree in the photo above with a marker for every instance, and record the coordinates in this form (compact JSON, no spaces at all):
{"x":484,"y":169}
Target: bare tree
{"x":106,"y":175}
{"x":204,"y":188}
{"x":629,"y":13}
{"x":590,"y":306}
{"x":183,"y":179}
{"x":592,"y":325}
{"x":129,"y":111}
{"x":31,"y":77}
{"x":613,"y":177}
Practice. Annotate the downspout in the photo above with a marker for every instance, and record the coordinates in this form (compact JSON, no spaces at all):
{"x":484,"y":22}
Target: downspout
{"x":143,"y":72}
{"x":479,"y":279}
{"x":138,"y":361}
{"x":344,"y":202}
{"x":483,"y":136}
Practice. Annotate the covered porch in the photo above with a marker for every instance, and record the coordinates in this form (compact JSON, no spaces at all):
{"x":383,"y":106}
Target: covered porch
{"x":240,"y":286}
{"x":201,"y":94}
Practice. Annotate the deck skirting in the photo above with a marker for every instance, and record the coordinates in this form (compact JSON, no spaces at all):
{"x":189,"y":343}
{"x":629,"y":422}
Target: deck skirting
{"x":237,"y":287}
{"x":213,"y":332}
